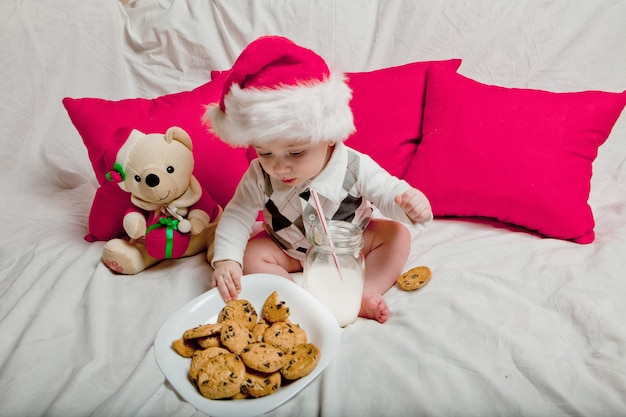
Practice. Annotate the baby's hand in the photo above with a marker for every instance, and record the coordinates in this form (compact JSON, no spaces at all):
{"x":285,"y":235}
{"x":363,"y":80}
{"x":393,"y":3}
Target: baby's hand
{"x":227,"y":278}
{"x":415,"y":204}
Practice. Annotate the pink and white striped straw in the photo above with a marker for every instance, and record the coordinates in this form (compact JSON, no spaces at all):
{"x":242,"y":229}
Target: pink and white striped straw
{"x":320,"y":213}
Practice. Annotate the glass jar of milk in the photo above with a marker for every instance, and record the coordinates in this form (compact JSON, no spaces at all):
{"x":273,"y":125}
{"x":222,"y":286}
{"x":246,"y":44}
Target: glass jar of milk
{"x":334,"y":269}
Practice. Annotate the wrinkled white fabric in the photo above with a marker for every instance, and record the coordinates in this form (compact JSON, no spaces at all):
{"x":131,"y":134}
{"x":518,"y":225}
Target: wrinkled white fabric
{"x":511,"y":324}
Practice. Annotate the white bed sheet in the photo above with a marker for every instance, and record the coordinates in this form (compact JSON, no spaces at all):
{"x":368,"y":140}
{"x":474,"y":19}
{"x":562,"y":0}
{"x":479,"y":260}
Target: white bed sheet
{"x":511,"y":324}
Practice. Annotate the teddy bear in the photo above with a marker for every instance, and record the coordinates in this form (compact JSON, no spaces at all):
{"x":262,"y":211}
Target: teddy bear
{"x":171,"y":215}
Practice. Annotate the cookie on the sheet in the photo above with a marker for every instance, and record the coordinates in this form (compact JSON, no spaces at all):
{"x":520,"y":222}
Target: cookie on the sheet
{"x":285,"y":335}
{"x":203,"y":330}
{"x":200,"y":359}
{"x":184,"y":347}
{"x":221,"y":377}
{"x":274,"y":310}
{"x":414,"y":278}
{"x":238,"y":310}
{"x":301,"y":360}
{"x":259,"y":384}
{"x":263,"y":357}
{"x":235,"y":336}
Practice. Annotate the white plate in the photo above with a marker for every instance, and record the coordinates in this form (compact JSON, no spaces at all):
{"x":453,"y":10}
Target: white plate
{"x":318,"y":322}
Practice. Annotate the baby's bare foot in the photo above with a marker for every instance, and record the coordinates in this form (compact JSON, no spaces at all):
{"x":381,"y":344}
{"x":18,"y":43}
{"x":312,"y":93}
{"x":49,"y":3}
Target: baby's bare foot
{"x":374,"y":306}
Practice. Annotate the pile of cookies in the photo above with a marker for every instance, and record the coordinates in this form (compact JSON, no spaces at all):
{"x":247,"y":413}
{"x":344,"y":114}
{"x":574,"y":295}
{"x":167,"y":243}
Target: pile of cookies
{"x":243,"y":355}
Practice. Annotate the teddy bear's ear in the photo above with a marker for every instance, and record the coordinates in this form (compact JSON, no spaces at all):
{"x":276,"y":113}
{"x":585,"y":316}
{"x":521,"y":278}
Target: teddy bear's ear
{"x":178,"y":134}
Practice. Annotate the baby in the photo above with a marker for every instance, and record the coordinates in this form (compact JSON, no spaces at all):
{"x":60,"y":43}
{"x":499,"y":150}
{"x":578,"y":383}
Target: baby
{"x":283,"y":100}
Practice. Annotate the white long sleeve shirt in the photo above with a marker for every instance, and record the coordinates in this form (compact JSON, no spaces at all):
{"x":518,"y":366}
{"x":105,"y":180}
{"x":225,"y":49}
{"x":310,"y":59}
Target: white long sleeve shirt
{"x":347,"y":185}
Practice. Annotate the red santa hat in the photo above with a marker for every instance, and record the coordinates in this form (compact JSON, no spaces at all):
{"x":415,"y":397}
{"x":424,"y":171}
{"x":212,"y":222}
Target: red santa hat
{"x":277,"y":90}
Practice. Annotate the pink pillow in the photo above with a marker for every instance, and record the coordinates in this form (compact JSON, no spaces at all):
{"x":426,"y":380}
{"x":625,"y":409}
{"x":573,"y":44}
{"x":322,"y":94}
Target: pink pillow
{"x":387,"y":105}
{"x":103,"y":126}
{"x":520,"y":156}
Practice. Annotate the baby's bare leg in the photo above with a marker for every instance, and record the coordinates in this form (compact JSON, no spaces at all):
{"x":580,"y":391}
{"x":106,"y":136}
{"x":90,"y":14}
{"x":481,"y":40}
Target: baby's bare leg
{"x":263,"y":255}
{"x":386,"y":250}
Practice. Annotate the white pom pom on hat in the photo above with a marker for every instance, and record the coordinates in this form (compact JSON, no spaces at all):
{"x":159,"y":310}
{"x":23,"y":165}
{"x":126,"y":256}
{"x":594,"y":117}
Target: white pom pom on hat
{"x":277,"y":90}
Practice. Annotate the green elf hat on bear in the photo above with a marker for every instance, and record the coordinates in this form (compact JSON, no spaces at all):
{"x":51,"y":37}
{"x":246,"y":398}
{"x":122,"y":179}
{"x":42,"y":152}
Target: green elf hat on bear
{"x":277,"y":90}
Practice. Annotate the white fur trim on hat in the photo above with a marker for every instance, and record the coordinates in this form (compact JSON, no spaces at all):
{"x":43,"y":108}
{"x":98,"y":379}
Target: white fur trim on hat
{"x":310,"y":112}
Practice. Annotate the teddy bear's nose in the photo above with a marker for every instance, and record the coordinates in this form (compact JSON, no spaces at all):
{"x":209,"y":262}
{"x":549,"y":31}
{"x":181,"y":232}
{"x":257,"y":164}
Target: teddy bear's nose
{"x":152,"y":180}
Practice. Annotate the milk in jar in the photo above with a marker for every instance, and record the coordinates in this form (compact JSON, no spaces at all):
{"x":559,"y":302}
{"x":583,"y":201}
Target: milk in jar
{"x":334,"y":270}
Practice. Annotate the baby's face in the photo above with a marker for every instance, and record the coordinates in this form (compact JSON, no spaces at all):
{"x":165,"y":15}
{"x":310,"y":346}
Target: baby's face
{"x":293,"y":163}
